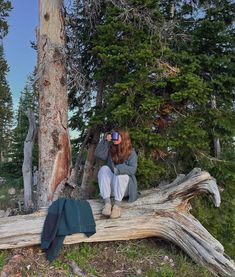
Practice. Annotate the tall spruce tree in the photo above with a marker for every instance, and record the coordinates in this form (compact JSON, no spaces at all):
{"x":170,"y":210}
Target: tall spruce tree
{"x":124,"y":56}
{"x":202,"y":132}
{"x":6,"y":109}
{"x":204,"y":91}
{"x":5,"y":7}
{"x":165,"y":76}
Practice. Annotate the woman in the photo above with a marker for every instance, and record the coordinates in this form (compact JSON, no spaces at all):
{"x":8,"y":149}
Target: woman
{"x":117,"y":177}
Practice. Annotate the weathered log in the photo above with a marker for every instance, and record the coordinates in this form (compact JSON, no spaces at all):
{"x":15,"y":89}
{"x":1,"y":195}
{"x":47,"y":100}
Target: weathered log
{"x":160,"y":212}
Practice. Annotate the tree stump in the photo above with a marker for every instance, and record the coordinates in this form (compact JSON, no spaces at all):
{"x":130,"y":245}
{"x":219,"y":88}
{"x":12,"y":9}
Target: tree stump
{"x":161,"y":212}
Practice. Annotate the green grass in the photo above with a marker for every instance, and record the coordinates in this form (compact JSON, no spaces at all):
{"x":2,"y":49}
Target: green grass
{"x":3,"y":258}
{"x":165,"y":271}
{"x":82,"y":254}
{"x":61,"y":265}
{"x":182,"y":265}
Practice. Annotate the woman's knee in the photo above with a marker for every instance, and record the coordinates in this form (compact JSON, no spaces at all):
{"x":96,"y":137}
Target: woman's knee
{"x":103,"y":170}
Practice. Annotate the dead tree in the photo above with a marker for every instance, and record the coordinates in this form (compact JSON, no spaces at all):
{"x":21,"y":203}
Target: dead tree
{"x":54,"y":144}
{"x":27,"y":164}
{"x":161,"y":212}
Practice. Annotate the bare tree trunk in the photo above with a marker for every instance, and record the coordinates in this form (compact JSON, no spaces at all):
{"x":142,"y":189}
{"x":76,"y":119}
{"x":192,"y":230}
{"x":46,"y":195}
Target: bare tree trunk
{"x":89,"y":164}
{"x":160,"y":212}
{"x":216,"y":141}
{"x":27,"y":164}
{"x":54,"y":144}
{"x":75,"y":170}
{"x":88,"y":169}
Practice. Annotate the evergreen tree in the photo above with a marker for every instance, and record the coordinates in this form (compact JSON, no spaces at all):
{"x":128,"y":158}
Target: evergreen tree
{"x":6,"y":110}
{"x":5,"y":7}
{"x":163,"y":73}
{"x":204,"y":89}
{"x":123,"y":56}
{"x":203,"y":96}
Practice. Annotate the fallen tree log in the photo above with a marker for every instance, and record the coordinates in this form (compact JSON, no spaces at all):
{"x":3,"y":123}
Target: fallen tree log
{"x":162,"y":212}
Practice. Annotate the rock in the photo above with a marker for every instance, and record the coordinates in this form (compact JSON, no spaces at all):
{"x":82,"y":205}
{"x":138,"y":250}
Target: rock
{"x":8,"y":212}
{"x":3,"y":274}
{"x":2,"y":213}
{"x":5,"y":213}
{"x":2,"y":181}
{"x":12,"y":191}
{"x":165,"y":259}
{"x":76,"y":269}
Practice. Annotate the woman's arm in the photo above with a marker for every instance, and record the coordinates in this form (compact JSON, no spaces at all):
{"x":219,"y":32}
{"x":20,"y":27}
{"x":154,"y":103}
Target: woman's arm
{"x":102,"y":150}
{"x":129,"y":167}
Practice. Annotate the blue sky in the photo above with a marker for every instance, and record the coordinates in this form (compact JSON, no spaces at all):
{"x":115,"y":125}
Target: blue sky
{"x":21,"y":58}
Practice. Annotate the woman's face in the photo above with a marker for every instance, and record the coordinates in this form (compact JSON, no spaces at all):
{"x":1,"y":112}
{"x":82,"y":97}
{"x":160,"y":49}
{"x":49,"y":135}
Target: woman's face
{"x":116,"y":142}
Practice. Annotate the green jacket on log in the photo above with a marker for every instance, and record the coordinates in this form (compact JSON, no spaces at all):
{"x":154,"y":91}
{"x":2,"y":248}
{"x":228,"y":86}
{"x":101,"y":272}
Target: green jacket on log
{"x":65,"y":217}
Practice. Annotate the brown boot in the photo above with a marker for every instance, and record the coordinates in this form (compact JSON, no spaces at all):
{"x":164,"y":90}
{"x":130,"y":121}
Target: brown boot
{"x":116,"y":212}
{"x":107,"y":209}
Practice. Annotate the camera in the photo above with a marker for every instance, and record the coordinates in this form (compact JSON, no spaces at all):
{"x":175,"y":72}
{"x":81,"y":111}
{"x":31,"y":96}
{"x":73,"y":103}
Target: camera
{"x":115,"y":136}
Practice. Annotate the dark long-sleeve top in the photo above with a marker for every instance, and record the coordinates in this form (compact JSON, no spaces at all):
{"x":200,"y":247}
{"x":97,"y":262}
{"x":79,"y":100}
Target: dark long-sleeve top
{"x":65,"y":217}
{"x":128,"y":167}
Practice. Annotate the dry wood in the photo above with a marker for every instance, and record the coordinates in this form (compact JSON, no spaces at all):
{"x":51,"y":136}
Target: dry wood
{"x":54,"y":144}
{"x":161,"y":212}
{"x":27,"y":164}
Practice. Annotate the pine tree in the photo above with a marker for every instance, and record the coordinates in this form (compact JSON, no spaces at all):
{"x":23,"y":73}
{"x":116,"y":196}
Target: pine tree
{"x":5,"y":7}
{"x":6,"y":111}
{"x":204,"y":89}
{"x":206,"y":109}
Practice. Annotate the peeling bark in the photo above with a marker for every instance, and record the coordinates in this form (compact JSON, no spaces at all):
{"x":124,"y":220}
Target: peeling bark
{"x":161,"y":212}
{"x":54,"y":144}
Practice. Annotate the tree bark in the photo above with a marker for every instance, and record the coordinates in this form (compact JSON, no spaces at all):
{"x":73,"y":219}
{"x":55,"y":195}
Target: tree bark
{"x":54,"y":144}
{"x":161,"y":212}
{"x":27,"y":164}
{"x":75,"y":171}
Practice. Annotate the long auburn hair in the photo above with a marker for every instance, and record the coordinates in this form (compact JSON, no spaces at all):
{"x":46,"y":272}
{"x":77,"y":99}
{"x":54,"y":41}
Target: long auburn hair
{"x":120,"y":152}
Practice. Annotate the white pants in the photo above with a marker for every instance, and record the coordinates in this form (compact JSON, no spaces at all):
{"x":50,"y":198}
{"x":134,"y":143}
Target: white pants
{"x":111,"y":184}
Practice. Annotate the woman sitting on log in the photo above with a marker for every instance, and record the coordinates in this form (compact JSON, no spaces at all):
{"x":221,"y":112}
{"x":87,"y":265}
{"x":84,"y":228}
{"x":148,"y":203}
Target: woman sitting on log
{"x":117,"y":177}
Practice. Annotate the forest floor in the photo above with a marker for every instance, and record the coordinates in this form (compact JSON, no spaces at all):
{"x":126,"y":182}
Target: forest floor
{"x":148,"y":257}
